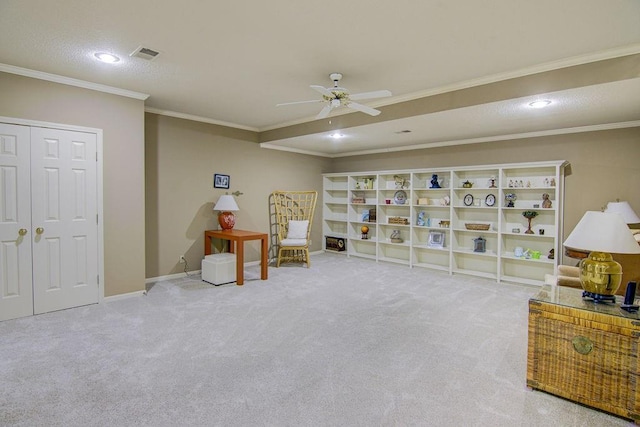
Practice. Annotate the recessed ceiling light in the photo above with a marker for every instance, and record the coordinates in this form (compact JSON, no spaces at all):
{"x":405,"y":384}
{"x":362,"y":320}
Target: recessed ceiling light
{"x":336,"y":135}
{"x":539,"y":104}
{"x":106,"y":57}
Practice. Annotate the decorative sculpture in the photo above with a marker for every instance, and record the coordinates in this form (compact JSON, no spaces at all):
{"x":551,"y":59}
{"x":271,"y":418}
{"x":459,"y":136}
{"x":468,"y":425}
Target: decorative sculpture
{"x":529,"y":215}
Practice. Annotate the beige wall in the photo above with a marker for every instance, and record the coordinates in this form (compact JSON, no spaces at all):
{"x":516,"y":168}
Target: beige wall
{"x":122,"y":122}
{"x":604,"y":165}
{"x":182,"y":156}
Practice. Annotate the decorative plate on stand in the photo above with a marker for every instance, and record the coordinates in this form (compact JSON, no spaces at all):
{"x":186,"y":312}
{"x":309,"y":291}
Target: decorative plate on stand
{"x":400,"y":197}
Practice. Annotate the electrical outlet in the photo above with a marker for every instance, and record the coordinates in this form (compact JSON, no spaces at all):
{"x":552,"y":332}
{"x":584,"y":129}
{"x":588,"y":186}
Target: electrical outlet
{"x":182,"y":260}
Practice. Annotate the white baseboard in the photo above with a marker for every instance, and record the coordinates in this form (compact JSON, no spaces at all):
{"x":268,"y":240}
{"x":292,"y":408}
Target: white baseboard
{"x":170,"y":277}
{"x":181,"y":275}
{"x":124,"y":296}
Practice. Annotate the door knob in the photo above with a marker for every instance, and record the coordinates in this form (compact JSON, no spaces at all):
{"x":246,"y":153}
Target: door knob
{"x":39,"y":230}
{"x":22,"y":231}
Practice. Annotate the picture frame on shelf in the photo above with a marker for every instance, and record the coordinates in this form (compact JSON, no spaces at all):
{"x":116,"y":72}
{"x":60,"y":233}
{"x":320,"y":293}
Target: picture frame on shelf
{"x":436,"y":239}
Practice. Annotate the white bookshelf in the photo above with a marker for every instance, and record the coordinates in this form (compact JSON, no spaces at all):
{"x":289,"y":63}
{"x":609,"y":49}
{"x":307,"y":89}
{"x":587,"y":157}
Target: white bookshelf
{"x":440,"y":203}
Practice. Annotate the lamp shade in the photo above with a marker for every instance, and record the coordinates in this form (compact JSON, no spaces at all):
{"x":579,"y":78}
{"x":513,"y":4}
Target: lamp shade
{"x":623,"y":208}
{"x":226,"y":203}
{"x":602,"y":232}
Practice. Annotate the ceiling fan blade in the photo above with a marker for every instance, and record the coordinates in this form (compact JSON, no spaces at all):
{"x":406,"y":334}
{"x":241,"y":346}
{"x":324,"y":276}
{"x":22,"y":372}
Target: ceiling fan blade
{"x":369,"y":95}
{"x":323,"y":90}
{"x":367,"y":110}
{"x":300,"y":102}
{"x":324,"y":112}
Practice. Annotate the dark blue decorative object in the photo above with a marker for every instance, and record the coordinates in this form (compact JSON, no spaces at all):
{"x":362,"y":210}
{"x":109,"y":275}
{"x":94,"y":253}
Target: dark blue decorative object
{"x":629,"y":297}
{"x":434,"y":181}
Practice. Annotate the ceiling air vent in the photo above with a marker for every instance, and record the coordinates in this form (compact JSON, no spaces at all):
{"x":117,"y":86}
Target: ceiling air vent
{"x":145,"y":53}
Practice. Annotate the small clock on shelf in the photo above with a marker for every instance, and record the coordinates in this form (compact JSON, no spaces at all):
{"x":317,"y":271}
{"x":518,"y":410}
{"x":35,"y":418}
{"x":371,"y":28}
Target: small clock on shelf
{"x":468,"y":200}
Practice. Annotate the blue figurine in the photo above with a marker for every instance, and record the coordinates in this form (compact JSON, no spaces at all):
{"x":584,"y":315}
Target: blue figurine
{"x":434,"y":181}
{"x":421,"y":219}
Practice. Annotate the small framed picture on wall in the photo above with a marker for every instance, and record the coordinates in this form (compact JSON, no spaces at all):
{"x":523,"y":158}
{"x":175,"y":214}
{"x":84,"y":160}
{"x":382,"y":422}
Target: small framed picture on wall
{"x":220,"y":181}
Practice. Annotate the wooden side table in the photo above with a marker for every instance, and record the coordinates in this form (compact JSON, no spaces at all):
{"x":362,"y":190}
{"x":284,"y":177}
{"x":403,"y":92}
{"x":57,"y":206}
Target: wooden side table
{"x":584,"y":351}
{"x":236,"y":245}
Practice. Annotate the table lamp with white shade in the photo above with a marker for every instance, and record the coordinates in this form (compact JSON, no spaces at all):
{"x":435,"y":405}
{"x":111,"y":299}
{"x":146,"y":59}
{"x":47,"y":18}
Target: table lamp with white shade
{"x":226,"y":205}
{"x":623,"y":208}
{"x":601,"y":233}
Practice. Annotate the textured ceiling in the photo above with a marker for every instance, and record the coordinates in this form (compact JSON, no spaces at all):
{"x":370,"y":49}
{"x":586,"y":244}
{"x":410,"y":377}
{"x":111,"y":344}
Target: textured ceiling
{"x":614,"y":104}
{"x":232,"y":62}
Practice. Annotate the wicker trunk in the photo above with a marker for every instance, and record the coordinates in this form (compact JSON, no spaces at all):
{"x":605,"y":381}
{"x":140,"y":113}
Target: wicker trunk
{"x":584,"y":351}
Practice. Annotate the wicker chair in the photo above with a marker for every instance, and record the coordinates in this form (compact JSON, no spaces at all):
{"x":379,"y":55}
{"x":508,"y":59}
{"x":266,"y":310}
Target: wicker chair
{"x":294,"y":216}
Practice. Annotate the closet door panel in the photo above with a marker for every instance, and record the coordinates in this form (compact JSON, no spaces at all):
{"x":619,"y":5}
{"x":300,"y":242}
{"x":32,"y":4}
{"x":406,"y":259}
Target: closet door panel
{"x":65,"y":248}
{"x":16,"y":291}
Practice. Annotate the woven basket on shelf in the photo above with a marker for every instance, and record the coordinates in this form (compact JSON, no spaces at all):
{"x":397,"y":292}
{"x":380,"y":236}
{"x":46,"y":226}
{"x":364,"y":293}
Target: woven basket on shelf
{"x":472,"y":226}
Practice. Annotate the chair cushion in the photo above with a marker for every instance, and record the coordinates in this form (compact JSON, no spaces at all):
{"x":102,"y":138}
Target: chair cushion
{"x":293,"y":242}
{"x":568,"y":271}
{"x":298,"y":229}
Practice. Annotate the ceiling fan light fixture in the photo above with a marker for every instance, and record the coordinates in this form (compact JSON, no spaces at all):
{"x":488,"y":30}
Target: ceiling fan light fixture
{"x":337,"y":96}
{"x":540,"y":103}
{"x":336,"y":135}
{"x":109,"y":58}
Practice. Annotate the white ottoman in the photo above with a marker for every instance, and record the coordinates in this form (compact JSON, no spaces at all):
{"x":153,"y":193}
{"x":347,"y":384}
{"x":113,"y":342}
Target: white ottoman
{"x":219,"y":268}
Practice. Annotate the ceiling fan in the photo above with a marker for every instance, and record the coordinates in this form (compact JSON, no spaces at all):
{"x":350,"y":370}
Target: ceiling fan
{"x":337,"y":96}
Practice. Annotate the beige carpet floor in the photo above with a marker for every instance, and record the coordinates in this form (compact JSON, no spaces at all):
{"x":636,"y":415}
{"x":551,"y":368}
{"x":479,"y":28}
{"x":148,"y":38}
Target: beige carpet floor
{"x":348,"y":342}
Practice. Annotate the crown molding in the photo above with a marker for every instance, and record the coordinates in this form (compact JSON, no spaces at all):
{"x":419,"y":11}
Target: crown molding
{"x":201,"y":119}
{"x":551,"y":132}
{"x":523,"y":135}
{"x":522,"y":72}
{"x":71,"y":82}
{"x":295,"y":150}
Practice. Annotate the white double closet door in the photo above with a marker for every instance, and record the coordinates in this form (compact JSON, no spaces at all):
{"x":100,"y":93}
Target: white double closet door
{"x":48,"y":220}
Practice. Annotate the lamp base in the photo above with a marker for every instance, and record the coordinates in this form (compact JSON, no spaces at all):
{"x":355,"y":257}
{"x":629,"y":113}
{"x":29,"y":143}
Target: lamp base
{"x":600,"y":274}
{"x":226,"y":220}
